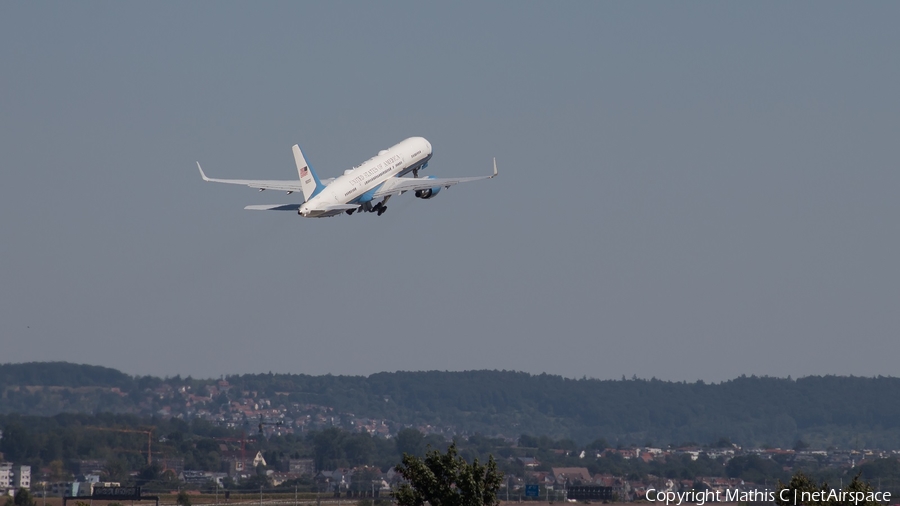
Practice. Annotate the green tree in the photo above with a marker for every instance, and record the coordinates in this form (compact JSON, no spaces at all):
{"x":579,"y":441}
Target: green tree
{"x":359,"y":449}
{"x":149,"y":473}
{"x":116,"y":470}
{"x":23,"y":498}
{"x":857,"y":485}
{"x":364,"y":479}
{"x":599,"y":444}
{"x":447,"y":480}
{"x":722,"y":442}
{"x":183,"y":499}
{"x":18,"y":442}
{"x":255,"y":482}
{"x":410,"y":441}
{"x":328,"y":447}
{"x":800,"y":483}
{"x":58,"y":471}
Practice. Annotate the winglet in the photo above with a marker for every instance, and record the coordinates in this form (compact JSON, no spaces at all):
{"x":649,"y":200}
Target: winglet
{"x":207,"y":179}
{"x":493,"y":176}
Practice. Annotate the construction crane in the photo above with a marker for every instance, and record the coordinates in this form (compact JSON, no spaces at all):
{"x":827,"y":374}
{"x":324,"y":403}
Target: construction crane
{"x":148,"y":432}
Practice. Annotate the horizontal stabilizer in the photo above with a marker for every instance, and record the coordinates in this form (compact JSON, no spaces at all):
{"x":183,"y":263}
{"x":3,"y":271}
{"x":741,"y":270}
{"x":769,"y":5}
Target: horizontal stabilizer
{"x":274,"y":207}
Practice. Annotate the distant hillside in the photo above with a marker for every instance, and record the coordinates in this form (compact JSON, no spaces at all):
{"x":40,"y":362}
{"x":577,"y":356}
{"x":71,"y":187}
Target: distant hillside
{"x":48,"y":388}
{"x":823,"y":411}
{"x":62,"y":374}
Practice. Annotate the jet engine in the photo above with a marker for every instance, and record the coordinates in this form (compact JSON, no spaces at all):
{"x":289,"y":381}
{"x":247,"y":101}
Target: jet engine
{"x":428,"y":193}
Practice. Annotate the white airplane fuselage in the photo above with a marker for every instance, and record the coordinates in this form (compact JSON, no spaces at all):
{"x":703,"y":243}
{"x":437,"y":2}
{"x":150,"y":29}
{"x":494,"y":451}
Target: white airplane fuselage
{"x":357,"y":185}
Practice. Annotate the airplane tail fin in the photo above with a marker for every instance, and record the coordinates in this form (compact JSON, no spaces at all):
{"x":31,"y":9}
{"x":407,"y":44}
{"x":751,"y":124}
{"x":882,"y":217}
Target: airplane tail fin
{"x":309,"y":181}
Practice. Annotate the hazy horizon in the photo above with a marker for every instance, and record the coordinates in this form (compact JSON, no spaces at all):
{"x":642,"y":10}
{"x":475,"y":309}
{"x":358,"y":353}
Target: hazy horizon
{"x":582,"y":377}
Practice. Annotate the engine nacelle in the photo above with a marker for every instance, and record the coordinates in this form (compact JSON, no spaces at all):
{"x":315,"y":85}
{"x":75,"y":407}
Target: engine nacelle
{"x":428,"y":193}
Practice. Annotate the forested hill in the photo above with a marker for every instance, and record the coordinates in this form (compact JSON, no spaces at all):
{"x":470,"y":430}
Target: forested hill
{"x":62,"y":374}
{"x":823,"y":411}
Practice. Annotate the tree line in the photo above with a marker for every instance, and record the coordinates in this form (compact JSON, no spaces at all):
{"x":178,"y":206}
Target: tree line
{"x":841,"y":411}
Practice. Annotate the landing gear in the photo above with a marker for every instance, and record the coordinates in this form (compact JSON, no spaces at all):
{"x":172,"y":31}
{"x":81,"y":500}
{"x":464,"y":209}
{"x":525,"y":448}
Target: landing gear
{"x":350,"y":211}
{"x":381,"y":207}
{"x":415,"y":172}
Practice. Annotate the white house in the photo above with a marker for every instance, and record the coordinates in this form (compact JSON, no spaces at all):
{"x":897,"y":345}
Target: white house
{"x":22,"y":477}
{"x":6,"y":475}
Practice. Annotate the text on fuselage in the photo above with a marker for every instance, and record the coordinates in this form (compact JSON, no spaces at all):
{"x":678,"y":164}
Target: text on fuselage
{"x":365,"y":176}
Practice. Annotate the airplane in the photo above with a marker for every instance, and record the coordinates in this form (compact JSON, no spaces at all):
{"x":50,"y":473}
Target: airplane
{"x":366,"y":187}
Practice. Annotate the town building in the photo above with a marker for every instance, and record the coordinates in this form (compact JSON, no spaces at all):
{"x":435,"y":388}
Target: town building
{"x":14,"y":477}
{"x":301,"y":466}
{"x":22,"y":478}
{"x":6,"y":475}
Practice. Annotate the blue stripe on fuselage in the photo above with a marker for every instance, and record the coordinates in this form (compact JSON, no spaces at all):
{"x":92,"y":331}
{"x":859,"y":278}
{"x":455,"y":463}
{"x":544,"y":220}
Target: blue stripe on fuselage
{"x":366,"y":197}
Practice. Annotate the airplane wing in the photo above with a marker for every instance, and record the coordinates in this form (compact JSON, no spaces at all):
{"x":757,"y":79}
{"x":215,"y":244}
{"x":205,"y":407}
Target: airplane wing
{"x":404,"y":184}
{"x":289,"y":186}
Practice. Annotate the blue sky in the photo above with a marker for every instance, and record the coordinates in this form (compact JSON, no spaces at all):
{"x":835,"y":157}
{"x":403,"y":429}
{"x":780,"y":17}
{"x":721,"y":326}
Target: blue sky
{"x":687,"y":191}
